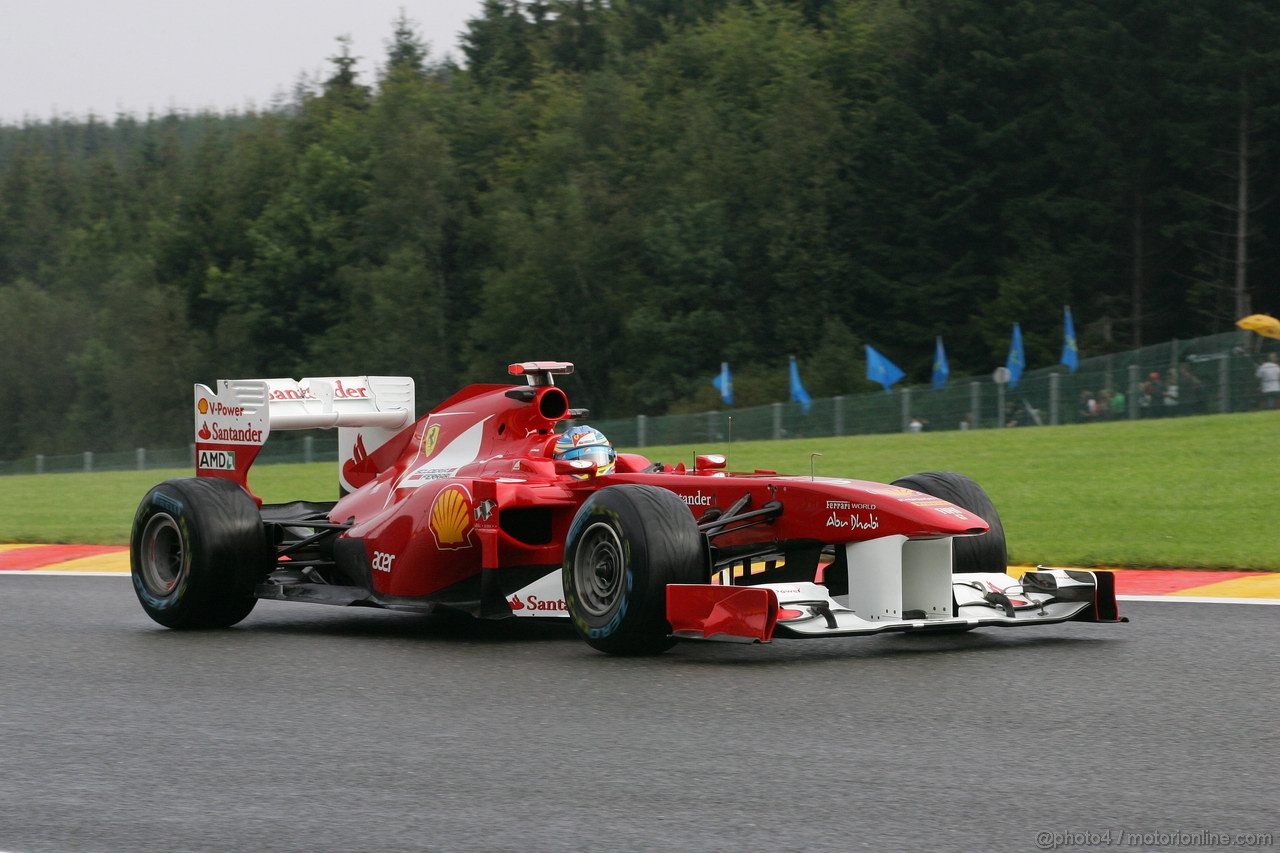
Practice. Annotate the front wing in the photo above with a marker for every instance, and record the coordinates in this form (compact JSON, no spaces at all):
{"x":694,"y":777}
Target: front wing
{"x":806,"y":610}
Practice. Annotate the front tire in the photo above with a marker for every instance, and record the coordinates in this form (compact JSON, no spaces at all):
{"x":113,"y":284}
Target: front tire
{"x":625,"y":545}
{"x":984,"y":553}
{"x":196,"y":552}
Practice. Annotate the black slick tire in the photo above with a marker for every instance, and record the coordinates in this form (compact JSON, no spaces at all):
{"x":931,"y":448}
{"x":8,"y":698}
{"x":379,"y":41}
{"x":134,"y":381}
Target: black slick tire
{"x":625,"y":545}
{"x":197,"y":549}
{"x":985,"y":553}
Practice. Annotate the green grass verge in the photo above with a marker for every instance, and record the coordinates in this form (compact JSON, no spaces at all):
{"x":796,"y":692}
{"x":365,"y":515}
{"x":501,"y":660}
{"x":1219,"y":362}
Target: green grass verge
{"x":1180,"y":492}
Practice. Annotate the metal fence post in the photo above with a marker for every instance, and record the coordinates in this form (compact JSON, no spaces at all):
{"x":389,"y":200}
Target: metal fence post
{"x":839,"y":410}
{"x":777,"y":420}
{"x":308,"y":445}
{"x":974,"y":417}
{"x":88,"y":461}
{"x":39,"y":463}
{"x":191,"y":450}
{"x":640,"y":425}
{"x":1224,"y":385}
{"x":1133,"y":392}
{"x":711,"y":426}
{"x":142,"y":458}
{"x":1055,"y":380}
{"x":1000,"y":418}
{"x":906,"y":408}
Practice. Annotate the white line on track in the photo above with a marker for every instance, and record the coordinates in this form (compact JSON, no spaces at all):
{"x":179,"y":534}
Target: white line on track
{"x":1196,"y":599}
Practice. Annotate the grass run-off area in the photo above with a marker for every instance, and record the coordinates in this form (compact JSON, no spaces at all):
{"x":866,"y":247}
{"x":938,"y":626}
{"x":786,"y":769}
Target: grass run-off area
{"x":1196,"y":492}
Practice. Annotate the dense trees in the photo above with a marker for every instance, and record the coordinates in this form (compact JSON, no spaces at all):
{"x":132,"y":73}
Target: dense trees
{"x":649,"y":188}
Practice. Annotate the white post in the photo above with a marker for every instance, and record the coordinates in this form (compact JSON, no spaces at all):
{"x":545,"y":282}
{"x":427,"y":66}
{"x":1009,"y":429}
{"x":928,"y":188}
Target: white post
{"x":777,"y":420}
{"x":906,"y":408}
{"x":142,"y":458}
{"x":1055,"y":381}
{"x":640,"y":429}
{"x":839,"y":407}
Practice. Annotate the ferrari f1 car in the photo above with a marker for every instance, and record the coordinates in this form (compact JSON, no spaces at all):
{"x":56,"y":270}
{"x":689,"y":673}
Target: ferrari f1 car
{"x":468,"y":509}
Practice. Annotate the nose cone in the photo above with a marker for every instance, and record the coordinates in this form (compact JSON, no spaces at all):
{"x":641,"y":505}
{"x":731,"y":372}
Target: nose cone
{"x":924,"y":514}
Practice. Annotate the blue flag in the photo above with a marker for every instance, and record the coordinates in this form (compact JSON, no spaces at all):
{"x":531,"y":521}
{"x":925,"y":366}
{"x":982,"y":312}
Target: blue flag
{"x":724,"y":384}
{"x":798,"y":393}
{"x":881,"y":369}
{"x":940,"y":369}
{"x":1070,"y":353}
{"x":1017,"y":358}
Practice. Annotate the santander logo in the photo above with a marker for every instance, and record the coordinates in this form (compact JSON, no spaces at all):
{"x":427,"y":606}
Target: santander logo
{"x":340,"y":392}
{"x":532,"y":602}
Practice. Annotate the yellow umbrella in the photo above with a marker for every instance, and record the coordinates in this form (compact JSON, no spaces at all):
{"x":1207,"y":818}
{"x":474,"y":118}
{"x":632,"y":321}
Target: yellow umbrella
{"x":1263,"y":324}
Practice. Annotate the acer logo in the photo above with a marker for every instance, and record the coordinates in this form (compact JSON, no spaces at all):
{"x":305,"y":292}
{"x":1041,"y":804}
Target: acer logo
{"x":382,"y":561}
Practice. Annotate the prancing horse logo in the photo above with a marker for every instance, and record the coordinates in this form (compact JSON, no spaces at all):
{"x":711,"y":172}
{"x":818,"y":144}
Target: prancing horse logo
{"x":429,"y":440}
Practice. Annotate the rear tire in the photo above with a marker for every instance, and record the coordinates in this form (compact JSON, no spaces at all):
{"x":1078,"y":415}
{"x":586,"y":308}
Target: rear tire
{"x":984,"y":553}
{"x":625,"y":545}
{"x":196,"y":552}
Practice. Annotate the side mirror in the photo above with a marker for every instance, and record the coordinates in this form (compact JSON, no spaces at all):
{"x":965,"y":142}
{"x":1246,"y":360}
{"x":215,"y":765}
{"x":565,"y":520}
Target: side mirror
{"x":709,"y":462}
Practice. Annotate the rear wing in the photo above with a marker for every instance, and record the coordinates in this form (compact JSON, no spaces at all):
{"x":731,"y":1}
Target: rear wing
{"x":233,"y":421}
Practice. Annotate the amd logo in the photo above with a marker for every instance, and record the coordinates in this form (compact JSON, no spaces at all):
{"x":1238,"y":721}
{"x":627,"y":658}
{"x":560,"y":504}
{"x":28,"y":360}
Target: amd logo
{"x":217,"y":460}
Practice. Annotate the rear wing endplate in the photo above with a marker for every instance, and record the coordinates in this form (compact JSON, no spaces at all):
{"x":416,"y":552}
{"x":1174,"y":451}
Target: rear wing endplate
{"x":234,"y":419}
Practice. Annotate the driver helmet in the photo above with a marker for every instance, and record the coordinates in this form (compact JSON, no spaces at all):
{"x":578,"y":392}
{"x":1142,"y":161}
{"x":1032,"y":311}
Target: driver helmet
{"x":584,"y":442}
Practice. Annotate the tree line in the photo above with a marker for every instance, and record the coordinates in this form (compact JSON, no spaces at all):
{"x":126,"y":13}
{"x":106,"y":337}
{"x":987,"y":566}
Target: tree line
{"x":649,"y":188}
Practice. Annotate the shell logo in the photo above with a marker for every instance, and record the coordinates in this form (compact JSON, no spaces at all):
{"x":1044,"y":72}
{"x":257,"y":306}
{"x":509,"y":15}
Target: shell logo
{"x":451,"y":518}
{"x":203,"y":406}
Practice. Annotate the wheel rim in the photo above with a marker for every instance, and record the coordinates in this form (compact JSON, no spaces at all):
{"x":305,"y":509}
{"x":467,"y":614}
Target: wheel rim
{"x":163,"y":555}
{"x":598,"y":579}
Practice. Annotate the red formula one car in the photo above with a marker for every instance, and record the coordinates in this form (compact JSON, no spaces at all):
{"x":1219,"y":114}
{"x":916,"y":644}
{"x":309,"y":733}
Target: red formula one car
{"x":469,"y":509}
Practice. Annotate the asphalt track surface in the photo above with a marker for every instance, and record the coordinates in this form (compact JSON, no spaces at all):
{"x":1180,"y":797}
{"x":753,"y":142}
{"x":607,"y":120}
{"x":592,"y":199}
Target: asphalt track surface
{"x":316,"y":728}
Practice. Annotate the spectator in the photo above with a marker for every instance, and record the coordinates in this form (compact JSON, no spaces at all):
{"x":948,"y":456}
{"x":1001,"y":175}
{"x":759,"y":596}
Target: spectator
{"x":1268,"y":374}
{"x":1104,"y":403}
{"x":1088,"y":407}
{"x":1170,"y":391}
{"x":1118,"y":404}
{"x":1150,"y":394}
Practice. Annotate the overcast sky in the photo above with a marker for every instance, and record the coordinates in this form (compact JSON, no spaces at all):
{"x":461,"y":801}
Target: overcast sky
{"x":70,"y":57}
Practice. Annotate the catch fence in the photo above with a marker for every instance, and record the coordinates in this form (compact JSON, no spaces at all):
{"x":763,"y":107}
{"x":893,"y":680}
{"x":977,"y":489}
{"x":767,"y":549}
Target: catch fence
{"x":1209,"y":375}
